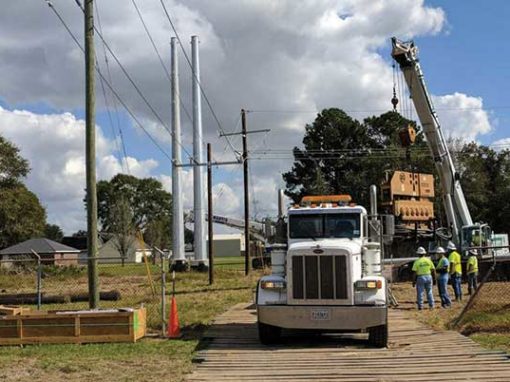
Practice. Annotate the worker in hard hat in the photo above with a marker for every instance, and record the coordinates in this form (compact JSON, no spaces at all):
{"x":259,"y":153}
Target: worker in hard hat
{"x":442,"y":269}
{"x":423,"y":270}
{"x":455,"y":270}
{"x":472,"y":271}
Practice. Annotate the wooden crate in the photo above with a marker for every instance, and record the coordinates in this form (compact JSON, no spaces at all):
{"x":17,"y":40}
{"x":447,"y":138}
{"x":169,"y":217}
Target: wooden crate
{"x":12,"y":310}
{"x":73,"y":327}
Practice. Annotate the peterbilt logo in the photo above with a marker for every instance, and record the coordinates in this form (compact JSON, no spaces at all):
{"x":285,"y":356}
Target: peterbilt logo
{"x":318,"y":251}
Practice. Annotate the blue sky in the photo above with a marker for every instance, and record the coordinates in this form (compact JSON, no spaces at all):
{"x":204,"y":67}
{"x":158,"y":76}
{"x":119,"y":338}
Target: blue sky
{"x":472,"y":55}
{"x":297,"y":58}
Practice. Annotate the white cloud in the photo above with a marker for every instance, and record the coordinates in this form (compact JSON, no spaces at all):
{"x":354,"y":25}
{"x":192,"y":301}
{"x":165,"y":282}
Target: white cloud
{"x":54,"y":145}
{"x":259,"y":55}
{"x":501,"y":144}
{"x":462,"y":116}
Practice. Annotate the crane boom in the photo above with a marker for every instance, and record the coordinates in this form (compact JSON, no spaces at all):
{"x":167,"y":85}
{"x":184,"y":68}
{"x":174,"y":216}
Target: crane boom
{"x":457,"y":212}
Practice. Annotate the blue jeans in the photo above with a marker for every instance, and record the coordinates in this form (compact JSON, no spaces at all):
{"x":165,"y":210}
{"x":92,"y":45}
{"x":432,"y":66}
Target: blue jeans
{"x":442,"y":286}
{"x":457,"y":286}
{"x":472,"y":282}
{"x":424,"y":283}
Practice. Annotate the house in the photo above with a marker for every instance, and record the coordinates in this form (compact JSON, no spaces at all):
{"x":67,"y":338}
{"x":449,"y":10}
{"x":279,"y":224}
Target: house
{"x":109,"y":251}
{"x":51,"y":252}
{"x":108,"y":248}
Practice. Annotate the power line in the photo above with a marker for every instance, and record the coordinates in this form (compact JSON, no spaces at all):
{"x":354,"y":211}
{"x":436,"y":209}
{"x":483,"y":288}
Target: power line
{"x":363,"y":111}
{"x":133,"y":83}
{"x":52,"y":7}
{"x":202,"y":91}
{"x":123,"y":152}
{"x":159,"y":55}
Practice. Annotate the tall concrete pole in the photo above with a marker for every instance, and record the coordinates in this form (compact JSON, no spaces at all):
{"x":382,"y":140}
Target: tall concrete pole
{"x":210,"y":235}
{"x":246,"y":196}
{"x":198,"y":171}
{"x":90,"y":155}
{"x":179,"y":260}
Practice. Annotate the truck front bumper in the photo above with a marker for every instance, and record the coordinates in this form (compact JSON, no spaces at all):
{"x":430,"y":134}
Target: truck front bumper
{"x":342,"y":318}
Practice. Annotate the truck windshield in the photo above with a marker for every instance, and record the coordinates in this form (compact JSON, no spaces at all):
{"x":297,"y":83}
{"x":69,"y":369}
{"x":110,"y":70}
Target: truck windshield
{"x":341,"y":225}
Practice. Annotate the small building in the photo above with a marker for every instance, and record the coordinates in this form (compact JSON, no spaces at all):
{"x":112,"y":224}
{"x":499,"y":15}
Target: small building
{"x":228,"y":245}
{"x":109,"y":251}
{"x":51,"y":252}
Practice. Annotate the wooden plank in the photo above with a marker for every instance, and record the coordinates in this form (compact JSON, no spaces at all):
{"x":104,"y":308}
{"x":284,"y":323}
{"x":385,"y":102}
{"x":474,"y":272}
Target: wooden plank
{"x":416,"y":353}
{"x":12,"y":310}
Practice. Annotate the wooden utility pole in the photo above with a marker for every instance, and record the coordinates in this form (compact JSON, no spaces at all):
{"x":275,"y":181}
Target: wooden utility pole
{"x":246,"y":197}
{"x":210,"y":215}
{"x":244,"y":133}
{"x":90,"y":155}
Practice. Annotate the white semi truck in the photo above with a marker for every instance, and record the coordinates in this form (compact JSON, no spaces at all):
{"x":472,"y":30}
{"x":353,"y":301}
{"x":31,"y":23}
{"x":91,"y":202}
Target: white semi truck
{"x":329,"y":277}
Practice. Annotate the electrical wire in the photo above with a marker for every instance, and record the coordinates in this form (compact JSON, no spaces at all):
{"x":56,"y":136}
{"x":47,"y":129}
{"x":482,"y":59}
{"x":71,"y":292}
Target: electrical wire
{"x":134,"y":84}
{"x":121,"y":101}
{"x":167,"y":74}
{"x":202,"y":91}
{"x":110,"y":118}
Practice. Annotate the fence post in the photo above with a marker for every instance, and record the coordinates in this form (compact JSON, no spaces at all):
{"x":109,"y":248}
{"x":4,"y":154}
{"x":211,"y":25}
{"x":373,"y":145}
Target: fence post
{"x":163,"y":291}
{"x":39,"y":279}
{"x":473,"y":296}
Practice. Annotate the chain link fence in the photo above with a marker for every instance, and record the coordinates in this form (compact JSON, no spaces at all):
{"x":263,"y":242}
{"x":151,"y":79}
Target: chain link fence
{"x":62,"y":284}
{"x":488,"y":308}
{"x":50,"y":284}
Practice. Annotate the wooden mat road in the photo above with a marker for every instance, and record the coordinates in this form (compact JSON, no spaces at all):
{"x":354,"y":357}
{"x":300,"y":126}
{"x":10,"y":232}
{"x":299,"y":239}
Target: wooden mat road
{"x":232,"y":352}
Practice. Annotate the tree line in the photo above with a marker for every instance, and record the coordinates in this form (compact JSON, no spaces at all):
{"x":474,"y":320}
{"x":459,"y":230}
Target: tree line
{"x":343,"y":155}
{"x":127,"y":207}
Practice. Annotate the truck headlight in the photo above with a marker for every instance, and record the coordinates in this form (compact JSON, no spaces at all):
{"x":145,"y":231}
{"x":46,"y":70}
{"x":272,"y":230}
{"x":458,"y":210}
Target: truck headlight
{"x":368,"y":284}
{"x":268,"y":284}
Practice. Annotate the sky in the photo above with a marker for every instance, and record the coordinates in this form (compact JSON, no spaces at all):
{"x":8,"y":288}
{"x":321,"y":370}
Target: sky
{"x":281,"y":60}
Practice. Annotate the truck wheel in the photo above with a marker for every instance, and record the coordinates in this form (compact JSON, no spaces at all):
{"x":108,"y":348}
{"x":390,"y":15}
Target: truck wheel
{"x":269,"y":334}
{"x":378,"y":336}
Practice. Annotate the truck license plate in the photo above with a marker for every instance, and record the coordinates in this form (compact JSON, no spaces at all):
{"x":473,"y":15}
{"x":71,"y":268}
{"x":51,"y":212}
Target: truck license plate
{"x":320,"y":315}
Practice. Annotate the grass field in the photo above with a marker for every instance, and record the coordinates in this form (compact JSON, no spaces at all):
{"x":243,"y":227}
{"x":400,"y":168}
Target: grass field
{"x":156,"y":359}
{"x":487,"y":321}
{"x":150,"y":359}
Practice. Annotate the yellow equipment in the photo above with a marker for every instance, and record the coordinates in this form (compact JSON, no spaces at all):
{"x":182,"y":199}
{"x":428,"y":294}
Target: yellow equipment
{"x":409,"y":196}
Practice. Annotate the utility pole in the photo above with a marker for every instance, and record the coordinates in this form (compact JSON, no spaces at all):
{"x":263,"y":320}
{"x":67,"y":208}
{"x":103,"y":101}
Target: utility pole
{"x":210,"y":214}
{"x":246,"y":197}
{"x":90,"y":155}
{"x":198,"y":171}
{"x":179,"y":259}
{"x":244,"y":133}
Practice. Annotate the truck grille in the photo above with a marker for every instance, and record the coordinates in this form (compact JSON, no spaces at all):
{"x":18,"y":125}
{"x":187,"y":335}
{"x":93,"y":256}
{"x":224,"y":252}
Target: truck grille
{"x":319,"y":277}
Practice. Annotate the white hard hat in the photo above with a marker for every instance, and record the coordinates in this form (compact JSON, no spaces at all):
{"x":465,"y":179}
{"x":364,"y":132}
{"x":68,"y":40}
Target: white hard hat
{"x":421,"y":251}
{"x":451,"y":246}
{"x":440,"y":250}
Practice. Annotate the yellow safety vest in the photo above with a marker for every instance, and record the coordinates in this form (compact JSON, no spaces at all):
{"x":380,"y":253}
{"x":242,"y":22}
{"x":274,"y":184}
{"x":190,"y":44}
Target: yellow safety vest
{"x":472,"y":264}
{"x":454,"y":259}
{"x":423,"y":266}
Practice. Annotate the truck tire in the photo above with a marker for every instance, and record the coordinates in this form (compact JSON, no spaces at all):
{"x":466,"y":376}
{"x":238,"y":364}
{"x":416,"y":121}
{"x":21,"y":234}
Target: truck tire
{"x":269,"y":334}
{"x":378,"y":336}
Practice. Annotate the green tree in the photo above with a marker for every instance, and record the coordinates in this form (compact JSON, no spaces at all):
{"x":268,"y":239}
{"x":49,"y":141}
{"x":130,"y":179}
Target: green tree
{"x":122,"y":227}
{"x":149,"y":204}
{"x":21,"y":215}
{"x":343,"y":155}
{"x":53,"y":232}
{"x":485,"y":179}
{"x":13,"y":167}
{"x":156,"y":233}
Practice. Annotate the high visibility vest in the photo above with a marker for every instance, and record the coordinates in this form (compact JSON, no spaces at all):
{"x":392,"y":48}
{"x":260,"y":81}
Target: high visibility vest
{"x":472,"y":264}
{"x":423,"y":266}
{"x":454,"y":259}
{"x":443,"y":262}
